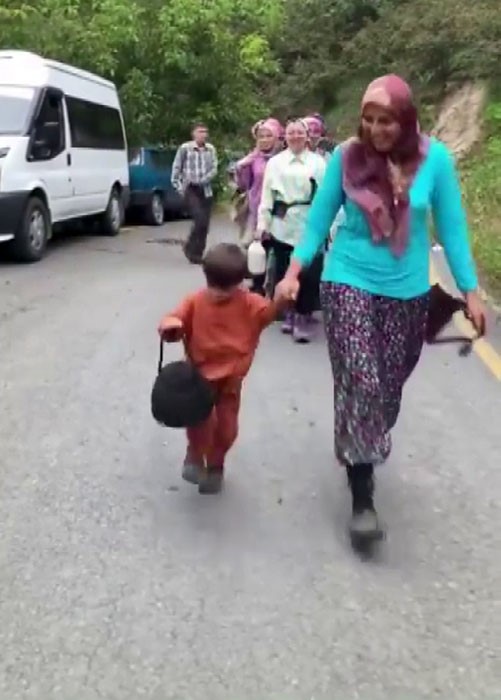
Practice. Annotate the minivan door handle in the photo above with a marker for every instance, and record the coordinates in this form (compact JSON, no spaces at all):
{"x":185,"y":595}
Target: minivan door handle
{"x":68,"y":158}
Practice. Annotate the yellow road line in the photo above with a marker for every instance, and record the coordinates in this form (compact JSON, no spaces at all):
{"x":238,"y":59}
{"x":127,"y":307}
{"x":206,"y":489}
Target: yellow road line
{"x":490,"y":357}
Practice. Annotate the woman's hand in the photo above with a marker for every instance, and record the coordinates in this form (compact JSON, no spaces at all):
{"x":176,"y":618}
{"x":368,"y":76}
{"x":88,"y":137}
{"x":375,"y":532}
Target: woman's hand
{"x":170,"y":329}
{"x":475,"y":311}
{"x":288,"y":288}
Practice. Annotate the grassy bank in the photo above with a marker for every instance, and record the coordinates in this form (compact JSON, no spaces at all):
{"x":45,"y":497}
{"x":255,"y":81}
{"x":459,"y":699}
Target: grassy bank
{"x":481,"y":177}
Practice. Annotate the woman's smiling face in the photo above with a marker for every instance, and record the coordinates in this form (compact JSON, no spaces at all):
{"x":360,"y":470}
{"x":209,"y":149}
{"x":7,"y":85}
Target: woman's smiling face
{"x":380,"y":128}
{"x":265,"y":139}
{"x":296,"y":136}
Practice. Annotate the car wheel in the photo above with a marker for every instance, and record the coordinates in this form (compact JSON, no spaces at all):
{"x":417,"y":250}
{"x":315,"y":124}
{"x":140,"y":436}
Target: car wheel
{"x":30,"y":242}
{"x":155,"y":212}
{"x":112,"y":219}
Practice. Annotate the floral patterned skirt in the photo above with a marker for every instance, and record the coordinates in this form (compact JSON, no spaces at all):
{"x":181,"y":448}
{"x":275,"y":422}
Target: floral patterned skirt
{"x":374,"y":345}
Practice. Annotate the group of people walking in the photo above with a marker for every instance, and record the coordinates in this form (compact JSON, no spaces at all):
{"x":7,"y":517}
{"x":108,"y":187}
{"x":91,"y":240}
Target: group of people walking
{"x":373,"y":274}
{"x":275,"y":185}
{"x":277,"y":182}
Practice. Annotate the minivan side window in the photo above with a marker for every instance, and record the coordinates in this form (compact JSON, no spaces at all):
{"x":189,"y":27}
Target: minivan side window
{"x":135,"y":156}
{"x":48,"y":140}
{"x":162,"y":160}
{"x":94,"y":126}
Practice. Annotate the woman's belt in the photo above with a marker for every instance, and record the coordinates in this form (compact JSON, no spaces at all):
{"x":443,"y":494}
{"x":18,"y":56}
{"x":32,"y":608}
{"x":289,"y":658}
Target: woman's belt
{"x":280,"y":208}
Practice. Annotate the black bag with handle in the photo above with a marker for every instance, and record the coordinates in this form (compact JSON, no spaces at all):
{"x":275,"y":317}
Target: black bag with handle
{"x":181,"y":397}
{"x":442,"y":307}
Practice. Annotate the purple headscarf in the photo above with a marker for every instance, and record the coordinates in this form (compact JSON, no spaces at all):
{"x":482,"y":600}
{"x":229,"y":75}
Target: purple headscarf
{"x":378,"y":182}
{"x":249,"y":173}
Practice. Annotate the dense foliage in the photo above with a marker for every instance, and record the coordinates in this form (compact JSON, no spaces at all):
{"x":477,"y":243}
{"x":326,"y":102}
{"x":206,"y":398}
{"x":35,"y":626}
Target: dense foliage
{"x":174,"y":61}
{"x":231,"y":62}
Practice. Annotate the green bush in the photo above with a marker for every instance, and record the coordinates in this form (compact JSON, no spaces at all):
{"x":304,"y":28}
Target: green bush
{"x":481,"y":176}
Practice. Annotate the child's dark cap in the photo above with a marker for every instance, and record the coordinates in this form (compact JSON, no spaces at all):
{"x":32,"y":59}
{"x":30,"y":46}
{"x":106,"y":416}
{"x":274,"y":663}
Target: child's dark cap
{"x":225,"y":266}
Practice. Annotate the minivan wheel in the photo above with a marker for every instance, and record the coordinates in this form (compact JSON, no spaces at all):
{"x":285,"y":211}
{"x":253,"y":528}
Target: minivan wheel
{"x":31,"y":238}
{"x":155,"y":212}
{"x":111,"y":220}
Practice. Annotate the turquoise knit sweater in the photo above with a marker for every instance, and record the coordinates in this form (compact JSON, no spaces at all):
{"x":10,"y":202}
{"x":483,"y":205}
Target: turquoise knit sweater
{"x":354,"y":258}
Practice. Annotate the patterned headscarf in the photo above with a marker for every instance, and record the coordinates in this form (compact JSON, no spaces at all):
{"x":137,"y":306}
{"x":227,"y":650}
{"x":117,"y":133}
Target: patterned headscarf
{"x":379,"y":182}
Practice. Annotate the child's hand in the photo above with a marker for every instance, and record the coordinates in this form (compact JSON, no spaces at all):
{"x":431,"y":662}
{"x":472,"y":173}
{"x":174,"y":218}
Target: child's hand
{"x":170,"y":329}
{"x":287,"y":289}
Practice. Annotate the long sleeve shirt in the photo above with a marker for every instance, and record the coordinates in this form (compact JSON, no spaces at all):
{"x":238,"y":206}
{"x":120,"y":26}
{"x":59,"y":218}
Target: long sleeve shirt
{"x":222,"y":337}
{"x":355,"y":259}
{"x":288,"y":178}
{"x":194,"y":165}
{"x":249,"y":176}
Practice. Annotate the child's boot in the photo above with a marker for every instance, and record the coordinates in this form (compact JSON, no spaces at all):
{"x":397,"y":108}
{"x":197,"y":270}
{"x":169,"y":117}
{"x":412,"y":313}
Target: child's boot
{"x":191,"y":469}
{"x":211,"y":480}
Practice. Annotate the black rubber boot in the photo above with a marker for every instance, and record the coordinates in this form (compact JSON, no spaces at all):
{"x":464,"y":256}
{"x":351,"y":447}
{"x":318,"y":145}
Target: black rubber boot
{"x":211,"y":480}
{"x":193,"y":258}
{"x":364,"y":523}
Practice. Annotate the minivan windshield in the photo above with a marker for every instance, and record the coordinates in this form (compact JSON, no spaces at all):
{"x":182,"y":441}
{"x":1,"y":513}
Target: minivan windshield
{"x":15,"y":105}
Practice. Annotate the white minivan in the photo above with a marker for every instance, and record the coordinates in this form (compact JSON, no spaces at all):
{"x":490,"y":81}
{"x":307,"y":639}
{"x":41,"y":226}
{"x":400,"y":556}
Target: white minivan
{"x":63,"y":151}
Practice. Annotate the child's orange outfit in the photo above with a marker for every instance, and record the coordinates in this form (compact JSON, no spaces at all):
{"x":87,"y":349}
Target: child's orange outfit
{"x":221,"y":337}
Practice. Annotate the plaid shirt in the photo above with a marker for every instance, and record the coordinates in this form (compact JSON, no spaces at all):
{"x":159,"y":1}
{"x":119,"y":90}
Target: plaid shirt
{"x":194,"y":165}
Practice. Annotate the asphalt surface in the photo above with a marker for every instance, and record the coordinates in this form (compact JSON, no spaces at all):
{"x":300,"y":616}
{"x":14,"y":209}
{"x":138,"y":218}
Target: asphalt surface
{"x":118,"y":581}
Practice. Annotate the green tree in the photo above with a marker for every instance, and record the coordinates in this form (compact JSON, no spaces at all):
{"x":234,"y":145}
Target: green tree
{"x":173,"y":61}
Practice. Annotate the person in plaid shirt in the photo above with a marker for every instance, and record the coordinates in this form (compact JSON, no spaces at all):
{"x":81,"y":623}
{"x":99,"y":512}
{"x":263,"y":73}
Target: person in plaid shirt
{"x":193,"y":170}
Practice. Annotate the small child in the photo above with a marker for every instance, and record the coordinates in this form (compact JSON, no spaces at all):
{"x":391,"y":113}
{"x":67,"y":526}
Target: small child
{"x":221,"y":326}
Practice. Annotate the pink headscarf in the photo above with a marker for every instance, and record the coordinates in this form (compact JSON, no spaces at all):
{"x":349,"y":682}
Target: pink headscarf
{"x":276,"y":125}
{"x":249,"y":172}
{"x":255,"y":158}
{"x":315,"y":126}
{"x":271,"y":125}
{"x":255,"y":128}
{"x":377,"y":182}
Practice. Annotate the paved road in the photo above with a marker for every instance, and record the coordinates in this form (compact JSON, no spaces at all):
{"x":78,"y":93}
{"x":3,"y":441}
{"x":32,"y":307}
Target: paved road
{"x":118,"y":581}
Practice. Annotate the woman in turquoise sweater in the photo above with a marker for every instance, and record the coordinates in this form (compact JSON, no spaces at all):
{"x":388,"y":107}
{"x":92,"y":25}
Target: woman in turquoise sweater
{"x":375,"y":282}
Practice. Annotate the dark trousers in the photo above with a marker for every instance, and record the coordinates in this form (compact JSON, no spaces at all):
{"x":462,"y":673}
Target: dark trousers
{"x":308,"y":299}
{"x":199,"y":207}
{"x":257,"y":285}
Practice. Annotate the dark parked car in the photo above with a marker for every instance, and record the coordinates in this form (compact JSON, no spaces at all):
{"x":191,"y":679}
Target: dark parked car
{"x":152,"y":195}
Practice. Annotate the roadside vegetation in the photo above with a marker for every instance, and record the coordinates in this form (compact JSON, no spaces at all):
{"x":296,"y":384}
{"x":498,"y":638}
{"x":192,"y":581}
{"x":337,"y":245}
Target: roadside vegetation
{"x":231,"y":62}
{"x":482,"y":190}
